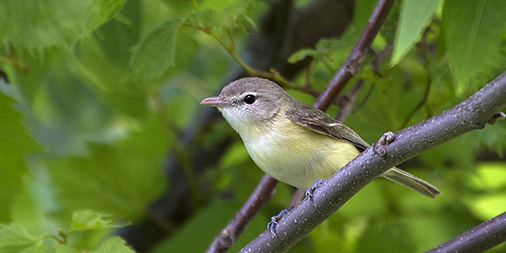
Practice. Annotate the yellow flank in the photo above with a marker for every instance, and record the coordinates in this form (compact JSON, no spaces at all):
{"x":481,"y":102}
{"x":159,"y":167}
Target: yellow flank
{"x":295,"y":155}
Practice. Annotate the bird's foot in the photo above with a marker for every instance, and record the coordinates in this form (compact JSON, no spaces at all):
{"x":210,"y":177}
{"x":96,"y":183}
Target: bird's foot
{"x":312,"y":189}
{"x":380,"y":147}
{"x":274,"y":221}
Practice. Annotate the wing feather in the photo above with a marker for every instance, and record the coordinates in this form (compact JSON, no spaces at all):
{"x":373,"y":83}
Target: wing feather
{"x":320,"y":122}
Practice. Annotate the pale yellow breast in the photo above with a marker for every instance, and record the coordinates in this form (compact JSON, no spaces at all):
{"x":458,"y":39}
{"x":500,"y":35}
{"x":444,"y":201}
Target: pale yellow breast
{"x":296,"y":155}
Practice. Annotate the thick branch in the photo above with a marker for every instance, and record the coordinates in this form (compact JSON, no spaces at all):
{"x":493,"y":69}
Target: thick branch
{"x":473,"y":113}
{"x":355,"y":60}
{"x":478,"y":239}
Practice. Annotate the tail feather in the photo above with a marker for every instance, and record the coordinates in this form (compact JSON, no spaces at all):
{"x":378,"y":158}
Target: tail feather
{"x":402,"y":177}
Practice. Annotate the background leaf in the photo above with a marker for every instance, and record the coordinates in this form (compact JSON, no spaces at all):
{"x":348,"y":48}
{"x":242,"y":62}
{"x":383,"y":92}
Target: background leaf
{"x":154,"y":54}
{"x":14,"y":239}
{"x":114,"y":180}
{"x":472,"y":30}
{"x":414,"y":18}
{"x":88,"y":220}
{"x":35,"y":25}
{"x":16,"y":143}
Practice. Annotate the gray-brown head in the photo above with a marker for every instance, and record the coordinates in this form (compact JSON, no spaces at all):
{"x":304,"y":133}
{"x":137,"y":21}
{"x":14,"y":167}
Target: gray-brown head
{"x":249,"y":101}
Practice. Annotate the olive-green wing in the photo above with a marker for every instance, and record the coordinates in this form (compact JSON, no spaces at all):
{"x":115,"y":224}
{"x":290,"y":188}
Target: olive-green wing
{"x":322,"y":123}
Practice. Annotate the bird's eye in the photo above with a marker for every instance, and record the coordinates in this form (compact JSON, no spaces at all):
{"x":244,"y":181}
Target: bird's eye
{"x":249,"y":99}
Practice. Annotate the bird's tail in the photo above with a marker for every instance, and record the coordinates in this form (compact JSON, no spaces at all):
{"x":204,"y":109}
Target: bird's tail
{"x":402,"y":177}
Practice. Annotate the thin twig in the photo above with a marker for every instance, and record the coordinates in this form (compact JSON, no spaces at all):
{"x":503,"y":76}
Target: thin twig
{"x":349,"y":101}
{"x":420,"y":104}
{"x":262,"y":194}
{"x":367,"y":96}
{"x":380,"y":57}
{"x":14,"y":61}
{"x":182,"y":155}
{"x":355,"y":60}
{"x":273,"y":75}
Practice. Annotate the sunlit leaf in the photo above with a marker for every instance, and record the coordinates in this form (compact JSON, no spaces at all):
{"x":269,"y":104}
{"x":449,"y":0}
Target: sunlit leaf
{"x":327,"y":47}
{"x":60,"y":248}
{"x":234,"y":16}
{"x":118,"y":180}
{"x":32,"y":205}
{"x":15,"y":144}
{"x":14,"y":239}
{"x":115,"y":244}
{"x":205,"y":226}
{"x":414,"y":18}
{"x":88,"y":220}
{"x":473,"y":30}
{"x":154,"y":54}
{"x":39,"y":24}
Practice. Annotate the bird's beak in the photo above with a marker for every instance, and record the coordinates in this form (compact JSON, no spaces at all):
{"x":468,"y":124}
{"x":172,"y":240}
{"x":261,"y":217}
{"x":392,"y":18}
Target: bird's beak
{"x":215,"y":101}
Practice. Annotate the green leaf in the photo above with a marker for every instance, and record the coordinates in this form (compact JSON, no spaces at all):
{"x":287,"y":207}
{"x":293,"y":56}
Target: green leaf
{"x":115,"y":244}
{"x":327,"y":49}
{"x":111,"y":82}
{"x":154,"y":54}
{"x":106,"y":11}
{"x":489,"y":176}
{"x":15,"y":144}
{"x":39,"y":24}
{"x":14,"y":239}
{"x":473,"y":31}
{"x":303,"y":53}
{"x":13,"y":134}
{"x":488,"y":182}
{"x":31,"y":207}
{"x":415,"y":16}
{"x":64,"y":248}
{"x":89,"y":220}
{"x":234,"y":16}
{"x":205,"y":225}
{"x":120,"y":180}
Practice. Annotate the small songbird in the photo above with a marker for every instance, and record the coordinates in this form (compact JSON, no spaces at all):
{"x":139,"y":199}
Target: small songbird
{"x":293,"y":142}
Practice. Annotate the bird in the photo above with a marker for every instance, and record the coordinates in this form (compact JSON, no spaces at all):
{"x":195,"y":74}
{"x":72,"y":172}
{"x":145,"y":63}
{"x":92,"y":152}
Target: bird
{"x":294,"y":142}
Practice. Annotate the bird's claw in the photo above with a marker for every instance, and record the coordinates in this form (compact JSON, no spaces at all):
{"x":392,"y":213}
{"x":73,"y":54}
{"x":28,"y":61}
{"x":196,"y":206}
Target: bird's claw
{"x":274,"y":221}
{"x":312,"y":189}
{"x":380,"y":147}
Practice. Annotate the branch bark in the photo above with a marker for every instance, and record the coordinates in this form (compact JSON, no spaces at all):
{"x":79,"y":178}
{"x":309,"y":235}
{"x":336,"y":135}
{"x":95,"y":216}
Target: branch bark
{"x":478,"y":239}
{"x":473,"y":113}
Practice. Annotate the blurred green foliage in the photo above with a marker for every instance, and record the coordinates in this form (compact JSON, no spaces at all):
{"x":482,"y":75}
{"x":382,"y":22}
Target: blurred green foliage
{"x":100,"y":91}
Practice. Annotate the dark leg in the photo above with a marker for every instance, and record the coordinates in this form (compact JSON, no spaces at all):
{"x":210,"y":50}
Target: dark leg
{"x":310,"y":191}
{"x":274,"y":220}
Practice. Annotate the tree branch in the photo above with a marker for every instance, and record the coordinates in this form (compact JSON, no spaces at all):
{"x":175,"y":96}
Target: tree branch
{"x":355,"y":60}
{"x":478,"y":239}
{"x":257,"y":200}
{"x":473,"y":113}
